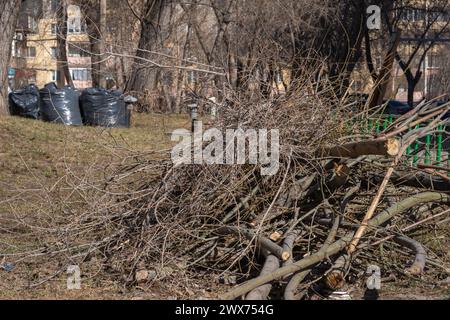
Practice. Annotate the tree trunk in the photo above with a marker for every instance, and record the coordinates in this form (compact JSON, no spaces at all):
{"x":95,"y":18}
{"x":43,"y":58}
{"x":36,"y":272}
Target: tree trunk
{"x":143,"y":75}
{"x":389,"y":147}
{"x":8,"y":18}
{"x":261,"y":293}
{"x":411,"y":88}
{"x":91,"y":10}
{"x":385,"y":73}
{"x":340,"y":44}
{"x":63,"y":65}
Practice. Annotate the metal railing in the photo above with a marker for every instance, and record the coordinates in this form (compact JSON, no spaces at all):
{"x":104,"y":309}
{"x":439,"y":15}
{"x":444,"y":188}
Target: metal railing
{"x":432,"y":149}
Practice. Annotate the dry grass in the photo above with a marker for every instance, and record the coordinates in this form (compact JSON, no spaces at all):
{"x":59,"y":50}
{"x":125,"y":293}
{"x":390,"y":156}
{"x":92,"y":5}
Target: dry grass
{"x":38,"y":157}
{"x":33,"y":153}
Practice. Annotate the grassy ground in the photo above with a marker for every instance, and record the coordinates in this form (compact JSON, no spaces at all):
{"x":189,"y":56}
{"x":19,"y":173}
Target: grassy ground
{"x":34,"y":158}
{"x":35,"y":153}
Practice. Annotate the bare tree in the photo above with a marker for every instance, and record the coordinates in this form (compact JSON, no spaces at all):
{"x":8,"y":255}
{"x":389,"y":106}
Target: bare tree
{"x":91,"y":12}
{"x":63,"y":66}
{"x":95,"y":13}
{"x":9,"y":11}
{"x":423,"y":24}
{"x":150,"y":16}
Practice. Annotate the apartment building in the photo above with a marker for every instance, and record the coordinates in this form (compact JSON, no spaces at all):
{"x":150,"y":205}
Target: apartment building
{"x":39,"y":47}
{"x":435,"y":65}
{"x":18,"y":73}
{"x":413,"y":21}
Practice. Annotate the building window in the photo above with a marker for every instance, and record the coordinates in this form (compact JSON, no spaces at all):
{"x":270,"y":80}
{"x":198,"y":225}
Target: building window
{"x":78,"y":49}
{"x":413,"y":14}
{"x":19,"y":51}
{"x":419,"y":15}
{"x":433,"y":61}
{"x":76,"y":27}
{"x":74,"y":22}
{"x":32,"y":24}
{"x":53,"y":28}
{"x":32,"y":79}
{"x":436,"y":15}
{"x":81,"y":74}
{"x":31,"y":52}
{"x":445,"y":16}
{"x":55,"y":75}
{"x":54,"y":52}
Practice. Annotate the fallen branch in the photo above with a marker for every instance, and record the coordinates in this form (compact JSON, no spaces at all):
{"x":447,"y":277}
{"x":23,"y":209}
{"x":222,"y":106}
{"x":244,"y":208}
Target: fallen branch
{"x":281,"y":272}
{"x":419,"y":180}
{"x":426,"y":166}
{"x":335,"y":279}
{"x":288,"y":245}
{"x":418,"y":266}
{"x":262,"y":292}
{"x":411,"y":227}
{"x":389,"y":147}
{"x":262,"y":242}
{"x":291,"y":288}
{"x":337,"y":246}
{"x":436,"y":173}
{"x":370,"y":212}
{"x":241,"y":204}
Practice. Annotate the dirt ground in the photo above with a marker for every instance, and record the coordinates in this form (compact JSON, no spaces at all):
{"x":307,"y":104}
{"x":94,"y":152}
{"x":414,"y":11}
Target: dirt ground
{"x":36,"y":156}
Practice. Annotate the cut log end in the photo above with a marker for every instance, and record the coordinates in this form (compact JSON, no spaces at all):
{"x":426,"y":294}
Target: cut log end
{"x":415,"y":270}
{"x":335,"y":280}
{"x":392,"y":147}
{"x":275,"y":236}
{"x":285,"y":256}
{"x":381,"y":147}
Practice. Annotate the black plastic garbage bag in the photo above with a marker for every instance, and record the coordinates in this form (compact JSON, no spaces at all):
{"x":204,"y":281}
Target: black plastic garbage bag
{"x":60,"y":105}
{"x":106,"y":108}
{"x":397,"y":107}
{"x":25,"y":102}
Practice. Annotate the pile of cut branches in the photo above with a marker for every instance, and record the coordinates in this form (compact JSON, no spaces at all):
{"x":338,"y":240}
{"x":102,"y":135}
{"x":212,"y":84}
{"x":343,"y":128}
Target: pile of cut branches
{"x":337,"y":197}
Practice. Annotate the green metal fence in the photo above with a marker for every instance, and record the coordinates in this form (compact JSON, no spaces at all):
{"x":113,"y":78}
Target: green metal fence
{"x":433,"y":149}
